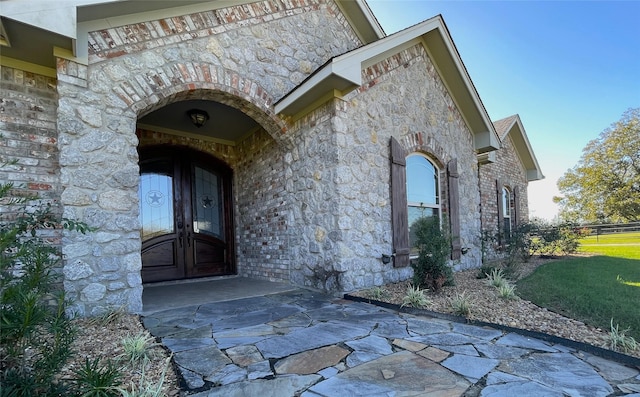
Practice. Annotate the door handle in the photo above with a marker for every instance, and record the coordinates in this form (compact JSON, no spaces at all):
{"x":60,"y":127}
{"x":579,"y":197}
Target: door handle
{"x":189,"y":239}
{"x":180,"y":236}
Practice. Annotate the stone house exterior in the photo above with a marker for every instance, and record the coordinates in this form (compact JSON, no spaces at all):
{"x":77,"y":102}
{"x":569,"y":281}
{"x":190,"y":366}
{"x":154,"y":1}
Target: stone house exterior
{"x":505,"y":178}
{"x":315,"y":126}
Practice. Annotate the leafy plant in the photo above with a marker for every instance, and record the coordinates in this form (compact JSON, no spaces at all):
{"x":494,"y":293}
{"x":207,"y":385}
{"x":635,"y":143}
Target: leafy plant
{"x":147,"y":388}
{"x":553,"y":240}
{"x":415,"y":297}
{"x":461,"y":304}
{"x":377,"y":293}
{"x":496,"y":278}
{"x":137,"y":349}
{"x":35,"y":333}
{"x":620,"y":341}
{"x":507,"y":291}
{"x":95,"y":379}
{"x":431,"y":269}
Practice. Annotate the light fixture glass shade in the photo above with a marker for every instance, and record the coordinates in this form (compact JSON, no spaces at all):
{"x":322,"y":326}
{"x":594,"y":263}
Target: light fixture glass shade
{"x":198,"y":117}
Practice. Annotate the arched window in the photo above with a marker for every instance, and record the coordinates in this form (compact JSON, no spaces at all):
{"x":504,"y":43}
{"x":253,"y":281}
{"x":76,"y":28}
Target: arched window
{"x":506,"y":212}
{"x":423,"y":190}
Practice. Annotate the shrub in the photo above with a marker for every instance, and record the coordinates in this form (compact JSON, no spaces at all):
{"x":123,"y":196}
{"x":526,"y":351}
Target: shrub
{"x":95,"y":379}
{"x":137,"y":349}
{"x":496,"y":278}
{"x":562,"y":239}
{"x":146,"y":388}
{"x":507,"y":291}
{"x":415,"y":297}
{"x":431,"y":269}
{"x":461,"y":305}
{"x":35,"y":333}
{"x":620,"y":341}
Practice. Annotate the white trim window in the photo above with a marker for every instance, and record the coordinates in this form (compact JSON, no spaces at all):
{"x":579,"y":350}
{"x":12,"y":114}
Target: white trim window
{"x":423,"y":190}
{"x":506,"y":212}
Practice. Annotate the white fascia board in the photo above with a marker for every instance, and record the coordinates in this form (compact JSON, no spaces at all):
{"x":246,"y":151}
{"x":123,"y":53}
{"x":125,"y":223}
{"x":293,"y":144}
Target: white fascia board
{"x":524,"y":150}
{"x":486,"y":138}
{"x":330,"y":77}
{"x":348,"y":68}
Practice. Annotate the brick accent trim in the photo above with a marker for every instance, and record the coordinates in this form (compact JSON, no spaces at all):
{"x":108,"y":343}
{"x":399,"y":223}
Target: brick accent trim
{"x":114,"y":42}
{"x":144,"y":93}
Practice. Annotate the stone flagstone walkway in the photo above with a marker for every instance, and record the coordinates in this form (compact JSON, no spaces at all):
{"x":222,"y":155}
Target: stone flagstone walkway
{"x":302,"y":343}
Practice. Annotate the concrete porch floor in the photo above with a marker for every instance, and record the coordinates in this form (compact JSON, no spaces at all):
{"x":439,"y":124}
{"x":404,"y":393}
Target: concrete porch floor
{"x":175,"y":294}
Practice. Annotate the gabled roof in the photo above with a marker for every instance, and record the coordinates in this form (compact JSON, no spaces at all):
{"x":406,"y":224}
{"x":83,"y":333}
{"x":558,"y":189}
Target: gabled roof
{"x":512,"y":126}
{"x":344,"y":73}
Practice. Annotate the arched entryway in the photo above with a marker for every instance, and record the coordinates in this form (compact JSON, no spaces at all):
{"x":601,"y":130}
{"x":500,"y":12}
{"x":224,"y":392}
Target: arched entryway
{"x":186,"y":215}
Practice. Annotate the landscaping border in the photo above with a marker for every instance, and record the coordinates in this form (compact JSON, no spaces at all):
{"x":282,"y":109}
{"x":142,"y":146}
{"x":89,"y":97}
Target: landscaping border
{"x":594,"y":350}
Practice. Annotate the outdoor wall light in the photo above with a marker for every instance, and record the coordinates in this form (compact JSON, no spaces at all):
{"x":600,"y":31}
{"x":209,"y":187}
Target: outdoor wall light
{"x":464,"y":250}
{"x":387,"y":258}
{"x":198,"y":117}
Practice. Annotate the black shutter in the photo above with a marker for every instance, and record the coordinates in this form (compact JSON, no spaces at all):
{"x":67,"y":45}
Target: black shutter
{"x":454,"y":208}
{"x":516,"y":207}
{"x":399,"y":212}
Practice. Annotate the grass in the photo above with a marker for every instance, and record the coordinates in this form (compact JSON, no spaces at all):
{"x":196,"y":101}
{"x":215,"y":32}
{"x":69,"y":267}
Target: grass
{"x":597,"y":290}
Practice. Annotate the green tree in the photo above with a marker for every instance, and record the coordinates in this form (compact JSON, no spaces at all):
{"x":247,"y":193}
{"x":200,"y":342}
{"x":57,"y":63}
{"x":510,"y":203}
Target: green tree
{"x":605,"y":184}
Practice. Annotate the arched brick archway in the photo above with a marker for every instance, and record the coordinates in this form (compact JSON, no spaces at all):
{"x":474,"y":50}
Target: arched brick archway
{"x":152,"y":90}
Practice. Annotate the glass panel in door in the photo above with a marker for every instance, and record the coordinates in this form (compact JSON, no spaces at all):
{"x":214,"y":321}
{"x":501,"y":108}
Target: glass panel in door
{"x":156,"y":205}
{"x":207,"y":204}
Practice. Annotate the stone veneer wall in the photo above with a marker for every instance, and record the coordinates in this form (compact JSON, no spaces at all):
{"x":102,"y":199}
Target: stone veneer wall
{"x":341,"y":173}
{"x":424,"y":118}
{"x":243,"y":56}
{"x":510,"y":171}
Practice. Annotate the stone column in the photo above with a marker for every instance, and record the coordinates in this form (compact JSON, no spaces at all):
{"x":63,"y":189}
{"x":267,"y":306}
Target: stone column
{"x":99,"y":176}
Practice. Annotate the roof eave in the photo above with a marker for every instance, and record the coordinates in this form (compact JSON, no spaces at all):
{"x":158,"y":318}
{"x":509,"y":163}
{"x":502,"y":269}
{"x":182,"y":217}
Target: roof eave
{"x":524,"y":150}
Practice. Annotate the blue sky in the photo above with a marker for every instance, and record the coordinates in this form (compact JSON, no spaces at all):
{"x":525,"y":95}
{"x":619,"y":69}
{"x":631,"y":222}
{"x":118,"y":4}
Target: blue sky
{"x":569,"y":69}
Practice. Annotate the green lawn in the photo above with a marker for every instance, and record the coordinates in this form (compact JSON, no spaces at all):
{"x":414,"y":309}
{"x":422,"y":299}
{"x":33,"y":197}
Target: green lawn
{"x":593,"y":289}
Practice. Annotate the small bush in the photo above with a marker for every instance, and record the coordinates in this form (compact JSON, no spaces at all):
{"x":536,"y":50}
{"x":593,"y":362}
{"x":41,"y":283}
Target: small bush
{"x":35,"y":333}
{"x":137,"y":349}
{"x":554,"y":240}
{"x":461,"y":305}
{"x":620,"y":341}
{"x":496,"y":278}
{"x":95,"y":379}
{"x":415,"y":297}
{"x":146,"y":388}
{"x":431,"y":269}
{"x":507,"y":291}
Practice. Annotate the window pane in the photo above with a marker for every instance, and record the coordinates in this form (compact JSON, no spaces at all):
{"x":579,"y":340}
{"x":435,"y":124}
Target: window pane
{"x":156,"y":205}
{"x":416,"y":213}
{"x":207,"y":203}
{"x":422,"y":181}
{"x":506,"y":203}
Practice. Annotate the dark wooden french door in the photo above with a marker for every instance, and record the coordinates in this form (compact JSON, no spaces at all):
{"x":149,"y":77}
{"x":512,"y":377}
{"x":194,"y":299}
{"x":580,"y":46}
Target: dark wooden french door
{"x":186,"y":215}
